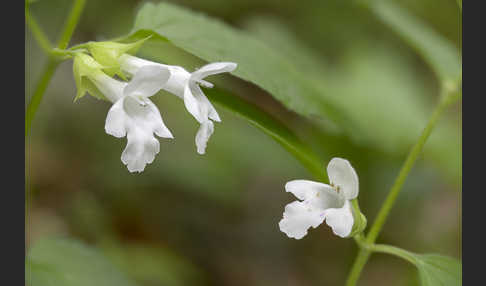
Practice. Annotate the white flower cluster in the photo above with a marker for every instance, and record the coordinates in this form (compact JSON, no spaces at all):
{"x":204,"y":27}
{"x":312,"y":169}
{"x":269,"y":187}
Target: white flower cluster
{"x":135,"y":116}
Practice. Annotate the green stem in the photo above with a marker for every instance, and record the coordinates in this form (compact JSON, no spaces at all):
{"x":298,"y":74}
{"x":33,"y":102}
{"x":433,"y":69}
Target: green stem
{"x":37,"y":32}
{"x":40,"y":88}
{"x":448,"y":96}
{"x":358,"y":266}
{"x":402,"y":253}
{"x":71,"y":23}
{"x":52,"y":64}
{"x":407,"y":166}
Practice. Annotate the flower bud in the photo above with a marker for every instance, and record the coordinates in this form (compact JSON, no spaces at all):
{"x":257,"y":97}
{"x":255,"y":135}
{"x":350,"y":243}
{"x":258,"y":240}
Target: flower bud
{"x":360,"y":221}
{"x":85,"y":68}
{"x":107,"y":53}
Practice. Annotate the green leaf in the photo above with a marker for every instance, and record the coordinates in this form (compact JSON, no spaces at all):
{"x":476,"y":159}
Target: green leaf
{"x":273,"y":32}
{"x":442,"y":56}
{"x":213,"y":40}
{"x":433,"y":269}
{"x":380,"y":94}
{"x":66,"y":262}
{"x":272,"y":128}
{"x":153,"y":264}
{"x":376,"y":87}
{"x":437,"y":269}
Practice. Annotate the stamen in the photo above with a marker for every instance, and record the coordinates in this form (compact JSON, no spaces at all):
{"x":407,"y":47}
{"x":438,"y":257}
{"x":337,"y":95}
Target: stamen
{"x":337,"y":188}
{"x":140,"y":101}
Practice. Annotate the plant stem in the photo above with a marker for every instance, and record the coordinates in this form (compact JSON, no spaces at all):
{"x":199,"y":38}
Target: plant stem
{"x":358,"y":266}
{"x":40,"y":88}
{"x":407,"y":166}
{"x":52,"y":63}
{"x":448,"y":96}
{"x":71,"y":24}
{"x":37,"y":32}
{"x":402,"y":253}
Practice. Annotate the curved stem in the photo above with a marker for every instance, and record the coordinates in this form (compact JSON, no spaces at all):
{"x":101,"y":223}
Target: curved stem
{"x":71,"y":23}
{"x":37,"y":32}
{"x":402,"y":253}
{"x":448,"y":96}
{"x":358,"y":266}
{"x":406,"y":168}
{"x":40,"y":88}
{"x":52,"y":64}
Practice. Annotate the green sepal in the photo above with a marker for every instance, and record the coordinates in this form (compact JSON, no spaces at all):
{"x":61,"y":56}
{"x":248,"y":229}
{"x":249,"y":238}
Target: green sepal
{"x":91,"y":88}
{"x":360,"y":220}
{"x":84,"y":67}
{"x":108,"y":53}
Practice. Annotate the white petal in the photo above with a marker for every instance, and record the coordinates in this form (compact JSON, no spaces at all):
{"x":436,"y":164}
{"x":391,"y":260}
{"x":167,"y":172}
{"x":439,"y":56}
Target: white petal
{"x":342,"y":175}
{"x":305,"y":189}
{"x":115,"y":120}
{"x":178,"y":80}
{"x":213,"y":68}
{"x":203,"y":134}
{"x":203,"y":100}
{"x":147,"y":81}
{"x":131,"y":64}
{"x":140,"y":151}
{"x":340,"y":220}
{"x":111,"y":88}
{"x":318,"y":195}
{"x":192,"y":105}
{"x":298,"y":218}
{"x":146,"y":116}
{"x":139,"y":123}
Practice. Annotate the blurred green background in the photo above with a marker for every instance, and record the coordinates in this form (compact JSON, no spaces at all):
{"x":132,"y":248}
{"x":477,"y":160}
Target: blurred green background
{"x":213,"y":220}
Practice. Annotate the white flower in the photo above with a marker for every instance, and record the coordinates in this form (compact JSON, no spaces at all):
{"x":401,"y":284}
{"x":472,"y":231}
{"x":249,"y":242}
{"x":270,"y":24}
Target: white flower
{"x":133,"y":115}
{"x":183,"y":84}
{"x":322,"y":202}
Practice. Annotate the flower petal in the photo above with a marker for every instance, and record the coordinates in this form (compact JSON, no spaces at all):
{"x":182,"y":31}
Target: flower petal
{"x":132,"y":64}
{"x":147,"y":81}
{"x":146,"y":116}
{"x":340,"y":219}
{"x":203,"y":134}
{"x":213,"y":68}
{"x":115,"y":120}
{"x":111,"y":89}
{"x":317,"y":194}
{"x":140,"y":151}
{"x":139,"y":123}
{"x":298,"y":218}
{"x":192,"y":104}
{"x":343,"y":175}
{"x":203,"y":100}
